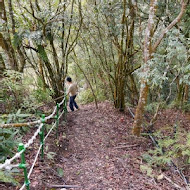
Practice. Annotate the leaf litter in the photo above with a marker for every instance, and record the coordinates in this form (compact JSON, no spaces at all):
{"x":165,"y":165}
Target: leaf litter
{"x":96,"y":151}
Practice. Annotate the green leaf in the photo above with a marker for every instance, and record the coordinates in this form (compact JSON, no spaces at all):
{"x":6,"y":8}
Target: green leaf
{"x":147,"y":157}
{"x":51,"y":155}
{"x":60,"y":172}
{"x":18,"y":112}
{"x":17,"y":40}
{"x":7,"y":178}
{"x":146,"y":169}
{"x":24,"y":115}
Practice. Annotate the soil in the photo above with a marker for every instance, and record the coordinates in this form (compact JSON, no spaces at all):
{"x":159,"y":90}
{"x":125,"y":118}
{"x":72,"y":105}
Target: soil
{"x":95,"y":150}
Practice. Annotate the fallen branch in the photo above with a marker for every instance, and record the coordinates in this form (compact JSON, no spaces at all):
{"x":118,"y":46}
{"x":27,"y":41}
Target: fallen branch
{"x":131,"y":112}
{"x":176,"y":185}
{"x":181,"y":175}
{"x":64,"y":186}
{"x":126,"y":146}
{"x":19,"y":124}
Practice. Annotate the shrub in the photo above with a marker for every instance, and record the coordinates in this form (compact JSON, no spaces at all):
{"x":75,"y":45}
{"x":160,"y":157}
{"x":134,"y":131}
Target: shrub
{"x":41,"y":94}
{"x":171,"y":148}
{"x":153,"y":106}
{"x":12,"y":90}
{"x":86,"y":96}
{"x":9,"y":140}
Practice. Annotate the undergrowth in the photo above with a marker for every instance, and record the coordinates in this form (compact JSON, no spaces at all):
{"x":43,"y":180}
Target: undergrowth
{"x":172,"y":147}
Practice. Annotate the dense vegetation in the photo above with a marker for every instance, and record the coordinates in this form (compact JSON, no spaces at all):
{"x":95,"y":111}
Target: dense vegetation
{"x":133,"y":53}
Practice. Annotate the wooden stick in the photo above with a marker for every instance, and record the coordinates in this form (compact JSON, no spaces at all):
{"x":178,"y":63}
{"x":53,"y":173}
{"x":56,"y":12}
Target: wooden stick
{"x":176,"y":185}
{"x":18,"y":124}
{"x":126,"y":146}
{"x":64,"y":186}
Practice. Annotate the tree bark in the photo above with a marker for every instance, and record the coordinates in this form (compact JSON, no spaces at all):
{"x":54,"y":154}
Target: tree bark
{"x":5,"y":39}
{"x":2,"y":66}
{"x":186,"y":93}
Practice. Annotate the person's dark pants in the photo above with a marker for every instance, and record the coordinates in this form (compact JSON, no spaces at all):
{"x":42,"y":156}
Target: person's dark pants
{"x":72,"y":103}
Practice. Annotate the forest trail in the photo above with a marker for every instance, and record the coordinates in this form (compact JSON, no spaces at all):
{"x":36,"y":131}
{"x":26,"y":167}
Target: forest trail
{"x":96,"y":151}
{"x":95,"y":159}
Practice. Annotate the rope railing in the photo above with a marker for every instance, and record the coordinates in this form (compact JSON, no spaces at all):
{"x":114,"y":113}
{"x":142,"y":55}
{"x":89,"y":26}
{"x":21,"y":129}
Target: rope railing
{"x":22,"y":147}
{"x":38,"y":152}
{"x":18,"y":154}
{"x":33,"y":122}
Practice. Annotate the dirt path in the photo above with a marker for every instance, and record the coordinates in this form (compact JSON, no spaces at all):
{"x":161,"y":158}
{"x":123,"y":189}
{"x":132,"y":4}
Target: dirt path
{"x":96,"y":151}
{"x":95,"y":159}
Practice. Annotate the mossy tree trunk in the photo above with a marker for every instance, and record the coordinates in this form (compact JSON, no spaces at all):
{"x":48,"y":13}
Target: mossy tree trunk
{"x":2,"y":66}
{"x":125,"y":51}
{"x":5,"y":39}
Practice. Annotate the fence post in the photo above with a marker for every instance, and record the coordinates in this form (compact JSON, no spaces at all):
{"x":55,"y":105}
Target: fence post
{"x":23,"y":165}
{"x":41,"y":133}
{"x":57,"y":119}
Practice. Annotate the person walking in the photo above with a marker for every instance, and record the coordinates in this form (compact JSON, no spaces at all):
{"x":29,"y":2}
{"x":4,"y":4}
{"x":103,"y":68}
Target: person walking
{"x":72,"y":92}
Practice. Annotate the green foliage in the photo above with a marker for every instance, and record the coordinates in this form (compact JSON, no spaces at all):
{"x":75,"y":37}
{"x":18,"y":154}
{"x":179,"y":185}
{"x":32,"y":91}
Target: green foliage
{"x":146,"y":169}
{"x":60,"y":172}
{"x":29,"y":104}
{"x":86,"y":96}
{"x":100,"y":95}
{"x":7,"y":143}
{"x":10,"y":137}
{"x":17,"y":117}
{"x":171,"y":148}
{"x":51,"y":155}
{"x":172,"y":56}
{"x":19,"y":92}
{"x":17,"y":40}
{"x":13,"y":90}
{"x":41,"y":94}
{"x":168,"y":67}
{"x":42,"y":53}
{"x":185,"y":107}
{"x":153,"y":106}
{"x":7,"y":177}
{"x":9,"y":140}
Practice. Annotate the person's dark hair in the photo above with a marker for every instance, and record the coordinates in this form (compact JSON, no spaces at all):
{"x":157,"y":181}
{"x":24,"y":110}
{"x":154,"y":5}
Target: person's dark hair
{"x":69,"y":79}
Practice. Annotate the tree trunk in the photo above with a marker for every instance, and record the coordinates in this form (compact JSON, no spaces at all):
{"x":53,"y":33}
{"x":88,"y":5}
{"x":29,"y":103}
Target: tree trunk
{"x":140,"y":109}
{"x":2,"y":66}
{"x":186,"y":93}
{"x":52,"y":78}
{"x":18,"y":46}
{"x":119,"y":86}
{"x":5,"y":39}
{"x":135,"y":94}
{"x":6,"y":45}
{"x":125,"y":50}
